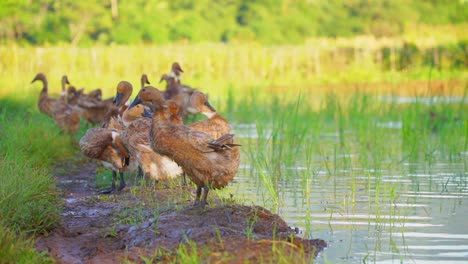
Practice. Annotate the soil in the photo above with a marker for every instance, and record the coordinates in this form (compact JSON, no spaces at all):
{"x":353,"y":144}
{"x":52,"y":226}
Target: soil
{"x":144,"y":224}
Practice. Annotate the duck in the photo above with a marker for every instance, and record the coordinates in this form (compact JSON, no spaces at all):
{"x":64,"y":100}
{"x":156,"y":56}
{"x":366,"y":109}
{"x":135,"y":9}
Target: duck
{"x":106,"y":145}
{"x":45,"y":104}
{"x":94,"y":110}
{"x":95,"y":94}
{"x":177,"y":93}
{"x":154,"y":166}
{"x":73,"y":95}
{"x":65,"y":116}
{"x":210,"y":163}
{"x":215,"y":125}
{"x":173,"y":88}
{"x":176,"y":71}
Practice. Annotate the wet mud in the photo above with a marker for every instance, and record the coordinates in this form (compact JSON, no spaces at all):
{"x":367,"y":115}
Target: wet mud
{"x":145,"y":224}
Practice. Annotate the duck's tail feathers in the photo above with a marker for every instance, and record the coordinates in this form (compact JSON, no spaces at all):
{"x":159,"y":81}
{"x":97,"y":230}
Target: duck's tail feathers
{"x":222,"y":143}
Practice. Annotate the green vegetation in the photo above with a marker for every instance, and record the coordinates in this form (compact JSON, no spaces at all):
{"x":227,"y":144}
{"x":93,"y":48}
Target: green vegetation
{"x":266,"y":21}
{"x":30,"y":145}
{"x":352,"y":148}
{"x":18,"y":249}
{"x":241,"y":69}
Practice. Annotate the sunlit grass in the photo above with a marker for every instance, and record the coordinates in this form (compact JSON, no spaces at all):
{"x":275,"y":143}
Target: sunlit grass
{"x":30,"y":145}
{"x":216,"y":68}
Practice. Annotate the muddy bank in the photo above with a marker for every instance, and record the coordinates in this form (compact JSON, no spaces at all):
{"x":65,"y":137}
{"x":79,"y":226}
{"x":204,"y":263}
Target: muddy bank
{"x":143,"y":223}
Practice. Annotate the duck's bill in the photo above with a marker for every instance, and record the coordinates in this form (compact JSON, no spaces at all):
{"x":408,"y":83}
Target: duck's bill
{"x":210,"y":106}
{"x":118,"y":98}
{"x":135,"y":102}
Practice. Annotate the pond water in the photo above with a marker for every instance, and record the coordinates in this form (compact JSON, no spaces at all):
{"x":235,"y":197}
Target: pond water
{"x":403,"y":212}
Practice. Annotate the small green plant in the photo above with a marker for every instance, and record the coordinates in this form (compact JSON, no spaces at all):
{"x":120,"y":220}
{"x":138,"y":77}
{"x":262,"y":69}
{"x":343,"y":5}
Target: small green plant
{"x":188,"y":253}
{"x":250,"y":222}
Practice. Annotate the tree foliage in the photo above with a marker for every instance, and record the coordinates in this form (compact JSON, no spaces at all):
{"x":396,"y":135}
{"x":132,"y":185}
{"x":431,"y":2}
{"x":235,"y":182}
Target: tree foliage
{"x":265,"y":21}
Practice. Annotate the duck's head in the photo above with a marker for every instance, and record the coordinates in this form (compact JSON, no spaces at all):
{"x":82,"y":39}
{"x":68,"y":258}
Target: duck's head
{"x":144,"y":80}
{"x":65,"y":80}
{"x":124,"y":90}
{"x":131,"y":114}
{"x":73,"y":93}
{"x":150,"y":96}
{"x":39,"y":77}
{"x":176,"y":69}
{"x":199,"y":104}
{"x":96,"y":94}
{"x":165,"y":77}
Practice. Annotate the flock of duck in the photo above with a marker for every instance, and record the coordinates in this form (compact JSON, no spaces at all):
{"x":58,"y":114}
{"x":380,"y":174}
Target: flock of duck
{"x":149,"y":134}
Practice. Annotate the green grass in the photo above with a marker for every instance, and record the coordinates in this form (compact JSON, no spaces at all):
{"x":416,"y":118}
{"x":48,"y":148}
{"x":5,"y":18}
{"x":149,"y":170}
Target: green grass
{"x":16,"y":248}
{"x":214,"y":68}
{"x":31,"y":145}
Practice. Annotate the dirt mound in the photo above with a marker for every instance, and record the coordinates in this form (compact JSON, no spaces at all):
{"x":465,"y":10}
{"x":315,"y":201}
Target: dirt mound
{"x":142,"y":224}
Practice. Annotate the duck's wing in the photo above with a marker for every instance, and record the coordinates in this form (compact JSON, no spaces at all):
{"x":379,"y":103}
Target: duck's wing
{"x":112,"y":113}
{"x":94,"y":142}
{"x":199,"y":140}
{"x":201,"y":125}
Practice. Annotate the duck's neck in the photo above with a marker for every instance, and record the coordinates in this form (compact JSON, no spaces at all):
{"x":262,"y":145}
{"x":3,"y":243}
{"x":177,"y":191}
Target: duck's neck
{"x":45,"y":86}
{"x":176,"y":75}
{"x":64,"y":82}
{"x":63,"y":96}
{"x":172,"y":84}
{"x":159,"y":116}
{"x":124,"y":102}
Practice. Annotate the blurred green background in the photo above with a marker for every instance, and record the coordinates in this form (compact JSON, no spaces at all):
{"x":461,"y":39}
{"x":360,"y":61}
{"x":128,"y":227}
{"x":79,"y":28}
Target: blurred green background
{"x":86,"y":23}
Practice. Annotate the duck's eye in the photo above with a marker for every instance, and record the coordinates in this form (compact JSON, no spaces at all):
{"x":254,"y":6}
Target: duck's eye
{"x":143,"y":89}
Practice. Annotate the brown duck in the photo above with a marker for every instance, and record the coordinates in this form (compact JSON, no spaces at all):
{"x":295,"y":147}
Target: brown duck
{"x":176,"y":72}
{"x":124,"y":91}
{"x":176,"y":92}
{"x":64,"y":115}
{"x":210,"y":163}
{"x":105,"y":145}
{"x":94,"y":108}
{"x":73,"y":95}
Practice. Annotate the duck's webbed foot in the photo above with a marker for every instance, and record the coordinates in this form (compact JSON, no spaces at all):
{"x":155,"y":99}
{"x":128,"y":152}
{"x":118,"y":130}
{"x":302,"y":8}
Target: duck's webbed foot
{"x":140,"y":173}
{"x":201,"y":203}
{"x":122,"y":182}
{"x":112,"y":189}
{"x":205,"y":195}
{"x":184,"y":180}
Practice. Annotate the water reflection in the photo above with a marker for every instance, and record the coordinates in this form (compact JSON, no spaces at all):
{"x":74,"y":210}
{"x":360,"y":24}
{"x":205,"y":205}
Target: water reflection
{"x":410,"y":213}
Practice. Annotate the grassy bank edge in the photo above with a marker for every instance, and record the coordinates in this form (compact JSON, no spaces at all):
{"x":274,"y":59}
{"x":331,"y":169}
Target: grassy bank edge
{"x":30,"y":146}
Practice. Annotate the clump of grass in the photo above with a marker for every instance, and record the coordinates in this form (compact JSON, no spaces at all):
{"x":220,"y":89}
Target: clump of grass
{"x":188,"y":253}
{"x":30,"y":146}
{"x":16,"y":248}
